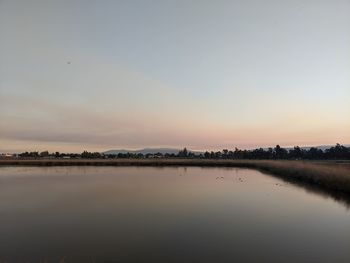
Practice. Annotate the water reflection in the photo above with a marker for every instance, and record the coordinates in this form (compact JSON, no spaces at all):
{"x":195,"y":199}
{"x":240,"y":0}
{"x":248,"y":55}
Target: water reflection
{"x":138,"y":214}
{"x":340,"y":197}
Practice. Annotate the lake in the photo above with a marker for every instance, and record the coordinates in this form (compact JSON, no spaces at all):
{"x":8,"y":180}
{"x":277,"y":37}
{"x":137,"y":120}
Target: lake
{"x":148,"y":214}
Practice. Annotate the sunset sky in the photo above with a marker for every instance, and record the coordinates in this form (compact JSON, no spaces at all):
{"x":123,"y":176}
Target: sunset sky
{"x":99,"y":75}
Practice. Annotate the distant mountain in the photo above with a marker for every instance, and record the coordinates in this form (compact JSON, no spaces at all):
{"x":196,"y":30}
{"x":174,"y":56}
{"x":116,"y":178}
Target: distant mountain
{"x":145,"y":151}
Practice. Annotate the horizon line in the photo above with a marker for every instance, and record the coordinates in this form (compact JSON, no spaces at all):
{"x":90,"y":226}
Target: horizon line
{"x":177,"y":148}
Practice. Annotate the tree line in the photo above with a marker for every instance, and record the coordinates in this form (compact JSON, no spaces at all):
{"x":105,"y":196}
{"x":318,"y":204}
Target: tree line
{"x":337,"y":152}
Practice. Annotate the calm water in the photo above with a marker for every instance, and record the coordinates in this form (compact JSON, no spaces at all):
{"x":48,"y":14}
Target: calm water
{"x":130,"y":214}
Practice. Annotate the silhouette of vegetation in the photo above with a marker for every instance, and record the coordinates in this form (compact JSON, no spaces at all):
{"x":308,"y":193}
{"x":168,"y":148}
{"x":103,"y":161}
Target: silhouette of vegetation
{"x":337,"y":152}
{"x":89,"y":155}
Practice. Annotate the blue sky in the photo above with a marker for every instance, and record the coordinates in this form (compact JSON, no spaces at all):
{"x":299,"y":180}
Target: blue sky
{"x":95,"y":75}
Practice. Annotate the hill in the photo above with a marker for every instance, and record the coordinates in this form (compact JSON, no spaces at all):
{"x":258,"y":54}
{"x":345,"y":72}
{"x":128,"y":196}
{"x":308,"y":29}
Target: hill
{"x":144,"y":151}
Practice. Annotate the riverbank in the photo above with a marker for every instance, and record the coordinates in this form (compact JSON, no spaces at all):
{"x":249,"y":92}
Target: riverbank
{"x":328,"y":175}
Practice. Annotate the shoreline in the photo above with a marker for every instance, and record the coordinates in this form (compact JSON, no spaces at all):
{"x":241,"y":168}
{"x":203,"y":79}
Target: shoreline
{"x":333,"y":176}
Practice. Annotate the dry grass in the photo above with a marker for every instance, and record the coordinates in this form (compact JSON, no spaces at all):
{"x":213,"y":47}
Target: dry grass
{"x":328,"y":175}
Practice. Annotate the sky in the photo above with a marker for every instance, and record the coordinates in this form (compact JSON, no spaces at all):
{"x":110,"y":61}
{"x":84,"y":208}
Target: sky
{"x":98,"y":75}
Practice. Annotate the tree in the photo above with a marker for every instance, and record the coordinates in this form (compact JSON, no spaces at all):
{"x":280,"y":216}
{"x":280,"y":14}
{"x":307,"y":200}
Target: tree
{"x":314,"y":153}
{"x":280,"y":153}
{"x":183,"y":153}
{"x":44,"y":154}
{"x":224,"y":153}
{"x":296,"y":153}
